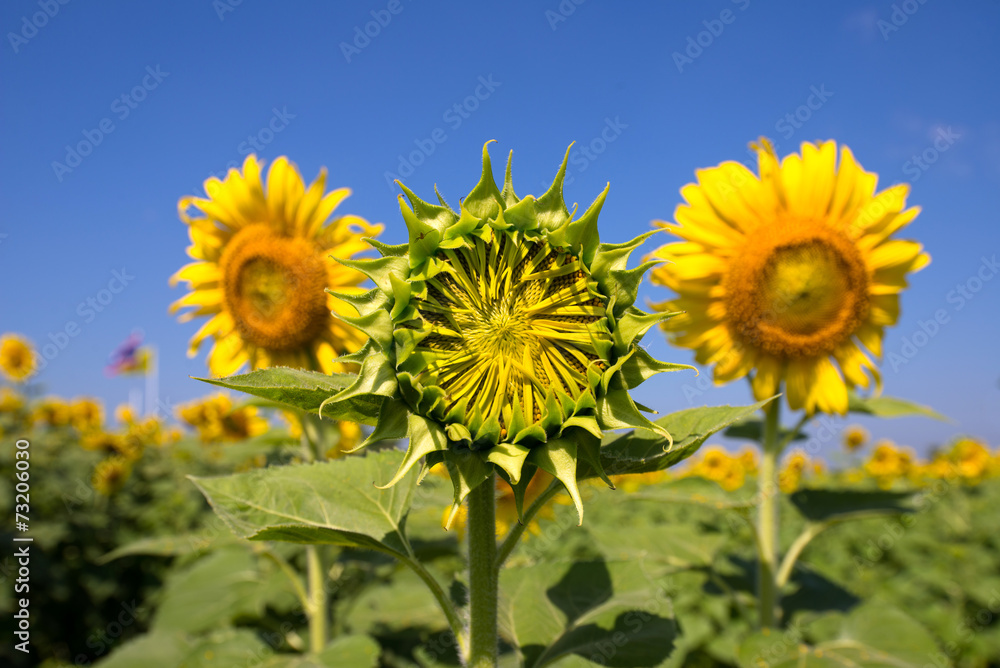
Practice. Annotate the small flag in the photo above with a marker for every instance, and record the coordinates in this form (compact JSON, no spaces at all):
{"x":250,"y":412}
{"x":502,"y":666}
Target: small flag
{"x":130,"y":358}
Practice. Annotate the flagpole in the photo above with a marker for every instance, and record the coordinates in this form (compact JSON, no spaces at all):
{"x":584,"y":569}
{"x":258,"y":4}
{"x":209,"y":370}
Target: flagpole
{"x":152,"y":382}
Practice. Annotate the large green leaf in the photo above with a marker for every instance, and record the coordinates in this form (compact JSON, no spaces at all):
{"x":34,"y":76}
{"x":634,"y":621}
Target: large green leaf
{"x":352,"y":651}
{"x":153,"y":650}
{"x":890,"y":407}
{"x":331,"y":502}
{"x":681,"y":545}
{"x":218,"y":589}
{"x":837,"y":505}
{"x":306,"y":390}
{"x":872,"y":636}
{"x":608,"y":613}
{"x":752,"y":429}
{"x":641,"y":451}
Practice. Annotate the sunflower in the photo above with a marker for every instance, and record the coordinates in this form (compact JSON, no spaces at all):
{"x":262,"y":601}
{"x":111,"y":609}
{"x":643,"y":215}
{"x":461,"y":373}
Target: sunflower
{"x":505,"y":333}
{"x":86,"y":414}
{"x":262,"y":265}
{"x":17,"y":357}
{"x":888,"y":463}
{"x":787,"y":277}
{"x":10,"y":401}
{"x":52,"y":412}
{"x":216,"y":419}
{"x":110,"y":475}
{"x":855,"y":437}
{"x":971,"y":458}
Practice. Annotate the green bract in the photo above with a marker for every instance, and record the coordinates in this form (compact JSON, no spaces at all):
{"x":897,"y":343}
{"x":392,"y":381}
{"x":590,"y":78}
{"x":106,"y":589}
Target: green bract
{"x":502,"y":336}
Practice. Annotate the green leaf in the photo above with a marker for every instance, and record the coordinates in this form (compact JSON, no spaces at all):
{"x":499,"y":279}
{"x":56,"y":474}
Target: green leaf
{"x":153,"y":650}
{"x":303,"y":389}
{"x":330,"y":502}
{"x":838,"y":505}
{"x":872,"y":636}
{"x":225,"y":648}
{"x":217,"y":589}
{"x":609,"y":613}
{"x":890,"y":407}
{"x":171,"y":546}
{"x":641,"y":451}
{"x":752,"y":429}
{"x":354,"y":651}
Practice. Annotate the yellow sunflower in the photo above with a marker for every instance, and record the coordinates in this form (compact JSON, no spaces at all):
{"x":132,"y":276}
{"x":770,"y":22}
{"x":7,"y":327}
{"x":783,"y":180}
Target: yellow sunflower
{"x":855,"y":436}
{"x":110,"y":475}
{"x":263,"y":262}
{"x":52,"y":412}
{"x":787,"y":277}
{"x":86,"y":414}
{"x":17,"y":357}
{"x":216,"y":419}
{"x":10,"y":401}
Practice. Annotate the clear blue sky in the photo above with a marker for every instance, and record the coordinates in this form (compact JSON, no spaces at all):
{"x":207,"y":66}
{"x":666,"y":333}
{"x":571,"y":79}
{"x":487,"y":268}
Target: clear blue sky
{"x":215,"y":77}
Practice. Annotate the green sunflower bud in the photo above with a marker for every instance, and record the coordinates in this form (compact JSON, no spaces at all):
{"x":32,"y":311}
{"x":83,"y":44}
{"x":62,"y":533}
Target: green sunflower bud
{"x":503,"y":336}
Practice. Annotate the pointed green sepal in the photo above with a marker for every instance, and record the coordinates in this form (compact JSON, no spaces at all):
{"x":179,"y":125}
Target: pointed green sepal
{"x":616,"y":410}
{"x":468,"y":470}
{"x":378,"y":269}
{"x":509,"y":457}
{"x":558,"y":457}
{"x":550,"y":208}
{"x":641,"y":366}
{"x":507,"y":193}
{"x":424,"y":238}
{"x":387,"y":250}
{"x":438,"y":217}
{"x":589,"y":450}
{"x":375,"y":378}
{"x":425,"y":438}
{"x":485,"y":201}
{"x":633,"y":325}
{"x":377,"y":325}
{"x":391,"y":425}
{"x":581,"y":234}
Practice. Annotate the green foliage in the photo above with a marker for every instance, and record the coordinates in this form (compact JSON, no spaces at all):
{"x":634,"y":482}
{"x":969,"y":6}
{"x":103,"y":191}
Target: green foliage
{"x":334,"y":503}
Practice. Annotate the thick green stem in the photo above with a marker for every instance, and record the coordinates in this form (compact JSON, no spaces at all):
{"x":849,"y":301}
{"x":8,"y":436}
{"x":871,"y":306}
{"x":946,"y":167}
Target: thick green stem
{"x":317,"y":600}
{"x":767,"y":519}
{"x":483,"y":575}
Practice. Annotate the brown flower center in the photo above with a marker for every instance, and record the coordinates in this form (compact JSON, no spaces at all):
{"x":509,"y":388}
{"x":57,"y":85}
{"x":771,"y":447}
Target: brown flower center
{"x":797,"y":289}
{"x":273,"y":288}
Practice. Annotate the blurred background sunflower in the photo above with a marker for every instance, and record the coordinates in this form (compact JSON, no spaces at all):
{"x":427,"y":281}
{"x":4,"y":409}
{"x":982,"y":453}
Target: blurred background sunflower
{"x":263,"y":259}
{"x":17,"y":358}
{"x":791,"y":276}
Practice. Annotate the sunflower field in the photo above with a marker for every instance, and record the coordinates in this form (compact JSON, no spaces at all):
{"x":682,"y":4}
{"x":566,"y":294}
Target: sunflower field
{"x":503,"y":428}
